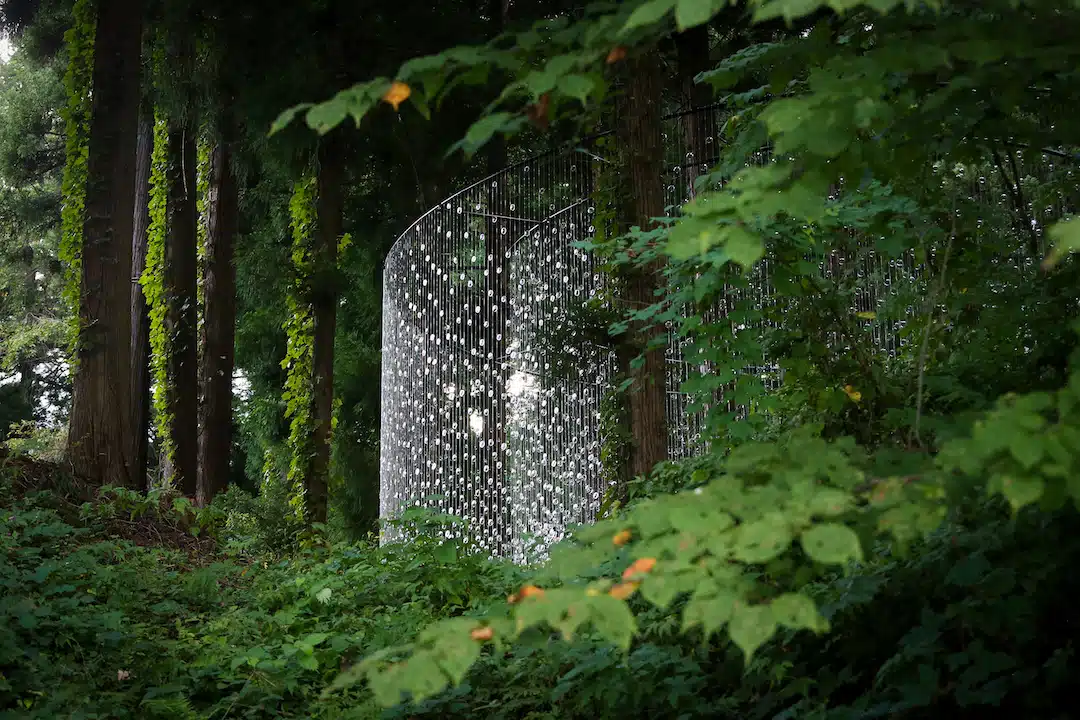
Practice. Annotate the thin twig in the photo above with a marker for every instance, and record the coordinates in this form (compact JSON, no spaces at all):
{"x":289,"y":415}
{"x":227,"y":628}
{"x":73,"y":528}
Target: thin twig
{"x":1016,"y":195}
{"x":1075,"y":157}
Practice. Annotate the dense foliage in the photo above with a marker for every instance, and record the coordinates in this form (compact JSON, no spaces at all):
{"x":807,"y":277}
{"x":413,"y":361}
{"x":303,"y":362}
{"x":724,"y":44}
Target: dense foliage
{"x":883,"y":521}
{"x":125,"y":607}
{"x":877,"y":125}
{"x":114,"y":608}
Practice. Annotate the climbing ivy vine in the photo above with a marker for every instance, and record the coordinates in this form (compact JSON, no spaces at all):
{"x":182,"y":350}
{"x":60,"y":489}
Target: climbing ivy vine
{"x":78,"y":78}
{"x":202,"y":189}
{"x":299,"y":329}
{"x":153,"y":283}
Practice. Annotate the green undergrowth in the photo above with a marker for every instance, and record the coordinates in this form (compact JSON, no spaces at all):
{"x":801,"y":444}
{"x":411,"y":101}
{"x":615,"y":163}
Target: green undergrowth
{"x":99,"y":621}
{"x":975,"y":622}
{"x":106,"y":611}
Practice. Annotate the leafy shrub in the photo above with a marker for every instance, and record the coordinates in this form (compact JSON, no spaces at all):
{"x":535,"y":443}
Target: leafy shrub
{"x":96,"y":626}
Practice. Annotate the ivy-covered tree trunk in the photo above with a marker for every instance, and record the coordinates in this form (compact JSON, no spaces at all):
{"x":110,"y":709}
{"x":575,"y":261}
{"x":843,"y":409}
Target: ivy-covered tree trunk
{"x":639,"y":131}
{"x":324,"y":299}
{"x":99,"y":444}
{"x":140,"y":315}
{"x":181,"y":275}
{"x":219,"y":327}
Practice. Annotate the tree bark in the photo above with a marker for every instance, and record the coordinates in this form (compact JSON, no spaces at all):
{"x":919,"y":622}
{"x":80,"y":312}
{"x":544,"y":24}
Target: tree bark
{"x":181,"y":273}
{"x":140,"y":316}
{"x":693,"y":53}
{"x":639,"y":130}
{"x":99,"y":437}
{"x":324,"y":306}
{"x":218,"y":329}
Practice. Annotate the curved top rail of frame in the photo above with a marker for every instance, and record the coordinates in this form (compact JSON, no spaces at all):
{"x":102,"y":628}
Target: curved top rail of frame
{"x":521,"y":163}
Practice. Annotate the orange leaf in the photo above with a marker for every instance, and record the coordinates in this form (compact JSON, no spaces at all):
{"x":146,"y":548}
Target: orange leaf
{"x":482,"y":634}
{"x":622,"y":537}
{"x":852,"y":393}
{"x":531,"y":591}
{"x":617,"y":54}
{"x":538,"y":112}
{"x":398,"y":93}
{"x":623,"y":590}
{"x":640,"y":567}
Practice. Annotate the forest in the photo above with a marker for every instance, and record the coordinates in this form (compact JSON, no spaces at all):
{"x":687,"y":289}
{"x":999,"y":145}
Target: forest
{"x":852,"y":222}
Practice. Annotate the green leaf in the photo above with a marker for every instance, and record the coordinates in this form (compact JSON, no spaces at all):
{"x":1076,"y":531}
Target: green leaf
{"x":613,"y":620}
{"x":308,"y":662}
{"x":762,"y":540}
{"x":691,"y":236}
{"x":659,"y":590}
{"x":328,"y":115}
{"x":710,"y":606}
{"x":539,"y":82}
{"x":1065,"y":236}
{"x":1026,"y":448}
{"x":576,"y":616}
{"x":798,"y":612}
{"x":447,"y":552}
{"x":830,"y":502}
{"x":423,"y":676}
{"x":324,"y":595}
{"x":286,"y":117}
{"x":456,"y":654}
{"x":648,"y":14}
{"x":1021,"y":491}
{"x":484,"y":129}
{"x":577,"y":86}
{"x":751,"y":627}
{"x":831,"y":544}
{"x":315,"y":639}
{"x":691,"y":13}
{"x":969,"y":570}
{"x":743,"y":247}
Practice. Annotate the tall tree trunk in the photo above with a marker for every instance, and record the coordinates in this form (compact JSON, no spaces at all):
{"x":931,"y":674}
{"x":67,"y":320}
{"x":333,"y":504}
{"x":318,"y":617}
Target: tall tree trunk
{"x":324,"y":306}
{"x":693,"y":52}
{"x":181,"y":275}
{"x":99,"y":436}
{"x":140,"y":316}
{"x":639,"y":130}
{"x":219,"y":328}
